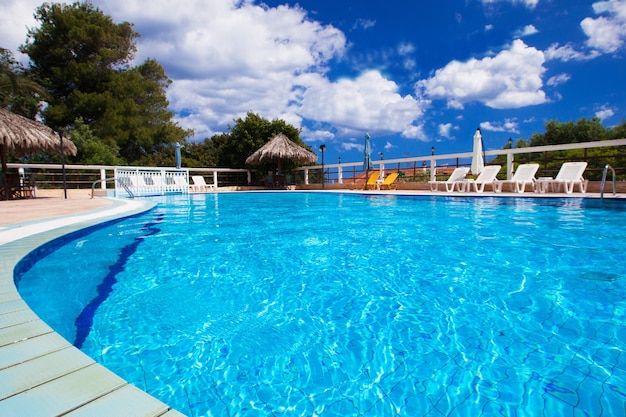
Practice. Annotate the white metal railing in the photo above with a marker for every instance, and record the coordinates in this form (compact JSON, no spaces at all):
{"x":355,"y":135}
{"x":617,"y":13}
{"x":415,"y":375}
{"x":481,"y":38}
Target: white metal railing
{"x":431,"y":160}
{"x":150,"y":181}
{"x":107,"y":170}
{"x":428,"y":164}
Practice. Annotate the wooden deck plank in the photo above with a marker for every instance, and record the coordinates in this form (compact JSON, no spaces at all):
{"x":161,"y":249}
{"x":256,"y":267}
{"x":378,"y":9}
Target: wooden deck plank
{"x":9,"y":296}
{"x":128,"y":401}
{"x":65,"y":394}
{"x":29,"y":349}
{"x":7,"y":287}
{"x":17,"y":317}
{"x":23,"y":331}
{"x":14,"y":305}
{"x":27,"y":375}
{"x":173,"y":413}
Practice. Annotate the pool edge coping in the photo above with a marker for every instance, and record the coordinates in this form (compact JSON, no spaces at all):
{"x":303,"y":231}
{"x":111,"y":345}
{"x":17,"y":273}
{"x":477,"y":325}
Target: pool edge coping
{"x":31,"y":389}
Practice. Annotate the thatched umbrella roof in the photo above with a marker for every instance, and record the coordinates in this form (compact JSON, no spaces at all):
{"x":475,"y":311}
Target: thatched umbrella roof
{"x":279,"y":148}
{"x":23,"y":135}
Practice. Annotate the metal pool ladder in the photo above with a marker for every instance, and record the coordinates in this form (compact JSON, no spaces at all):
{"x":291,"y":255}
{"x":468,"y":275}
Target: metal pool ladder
{"x":117,"y":180}
{"x":606,"y":168}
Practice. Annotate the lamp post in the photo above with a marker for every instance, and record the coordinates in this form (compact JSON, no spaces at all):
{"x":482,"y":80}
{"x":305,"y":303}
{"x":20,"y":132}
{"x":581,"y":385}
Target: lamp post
{"x":339,"y":171}
{"x":509,"y":160}
{"x":322,"y":149}
{"x":433,"y":175}
{"x":382,"y":167}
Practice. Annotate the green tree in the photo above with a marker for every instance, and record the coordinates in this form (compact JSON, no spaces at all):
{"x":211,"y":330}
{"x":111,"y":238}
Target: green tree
{"x":18,"y":91}
{"x":583,"y":130}
{"x":202,"y":154}
{"x":90,"y":149}
{"x":619,"y":131}
{"x":82,"y":57}
{"x":249,"y":134}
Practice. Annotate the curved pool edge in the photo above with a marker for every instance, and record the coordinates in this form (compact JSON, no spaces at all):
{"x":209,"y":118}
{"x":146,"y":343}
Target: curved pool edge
{"x":40,"y":372}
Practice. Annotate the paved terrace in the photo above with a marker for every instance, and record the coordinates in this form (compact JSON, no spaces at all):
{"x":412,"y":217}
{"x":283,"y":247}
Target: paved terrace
{"x":42,"y":374}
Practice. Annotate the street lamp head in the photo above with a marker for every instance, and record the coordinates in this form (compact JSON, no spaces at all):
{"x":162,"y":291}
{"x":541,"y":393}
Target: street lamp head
{"x":339,"y":160}
{"x":381,"y":155}
{"x":322,"y":147}
{"x":432,"y":150}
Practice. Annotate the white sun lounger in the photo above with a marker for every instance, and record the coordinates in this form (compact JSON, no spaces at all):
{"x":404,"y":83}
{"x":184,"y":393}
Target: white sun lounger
{"x":486,"y":177}
{"x":525,"y":175}
{"x":456,"y":178}
{"x":570,"y":175}
{"x":199,"y":184}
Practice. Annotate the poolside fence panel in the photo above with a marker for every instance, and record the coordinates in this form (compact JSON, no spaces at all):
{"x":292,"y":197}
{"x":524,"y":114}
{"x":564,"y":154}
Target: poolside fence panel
{"x":150,"y":181}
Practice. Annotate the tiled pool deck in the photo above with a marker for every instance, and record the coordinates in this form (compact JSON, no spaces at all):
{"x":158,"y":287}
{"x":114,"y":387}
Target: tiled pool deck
{"x":42,"y":374}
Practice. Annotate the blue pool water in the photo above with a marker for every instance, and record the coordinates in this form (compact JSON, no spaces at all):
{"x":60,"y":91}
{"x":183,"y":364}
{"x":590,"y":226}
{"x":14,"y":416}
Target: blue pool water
{"x":314,"y":304}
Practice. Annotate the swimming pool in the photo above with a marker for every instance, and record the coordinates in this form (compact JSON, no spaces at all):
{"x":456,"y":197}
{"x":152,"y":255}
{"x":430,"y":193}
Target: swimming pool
{"x":344,"y":304}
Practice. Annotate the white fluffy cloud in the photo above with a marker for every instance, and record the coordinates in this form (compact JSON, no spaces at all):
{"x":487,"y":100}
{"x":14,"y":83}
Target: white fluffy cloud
{"x":606,"y":33}
{"x":216,"y":37}
{"x":228,"y":57}
{"x":604,"y":113}
{"x":445,"y":129}
{"x":511,"y":79}
{"x":558,"y":79}
{"x":531,"y":4}
{"x":527,"y":30}
{"x":567,"y":53}
{"x":509,"y":125}
{"x":17,"y":17}
{"x":369,"y":102}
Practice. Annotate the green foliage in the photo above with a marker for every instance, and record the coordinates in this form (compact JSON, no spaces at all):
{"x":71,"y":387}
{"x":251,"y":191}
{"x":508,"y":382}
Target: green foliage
{"x":18,"y":91}
{"x":583,"y":130}
{"x":91,"y":150}
{"x":230,"y":150}
{"x":81,"y":56}
{"x":248,"y":135}
{"x":76,"y":48}
{"x":203,"y":154}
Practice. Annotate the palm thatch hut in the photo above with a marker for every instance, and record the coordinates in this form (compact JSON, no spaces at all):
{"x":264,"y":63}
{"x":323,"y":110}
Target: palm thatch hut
{"x":281,"y":148}
{"x":23,"y":135}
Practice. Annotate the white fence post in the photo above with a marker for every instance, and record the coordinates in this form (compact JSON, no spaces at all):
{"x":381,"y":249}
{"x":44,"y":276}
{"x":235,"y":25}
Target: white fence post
{"x":433,"y":169}
{"x":509,"y":166}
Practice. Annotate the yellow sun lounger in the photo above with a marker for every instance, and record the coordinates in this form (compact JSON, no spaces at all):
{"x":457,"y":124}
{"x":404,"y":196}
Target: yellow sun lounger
{"x":389,"y":183}
{"x":371,"y":181}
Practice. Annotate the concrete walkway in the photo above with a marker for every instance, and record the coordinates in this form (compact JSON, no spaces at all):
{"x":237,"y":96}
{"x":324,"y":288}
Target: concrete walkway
{"x":42,"y":374}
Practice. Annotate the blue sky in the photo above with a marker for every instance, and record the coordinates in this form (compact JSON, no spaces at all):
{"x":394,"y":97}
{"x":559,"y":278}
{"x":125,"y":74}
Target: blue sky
{"x":412,"y":74}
